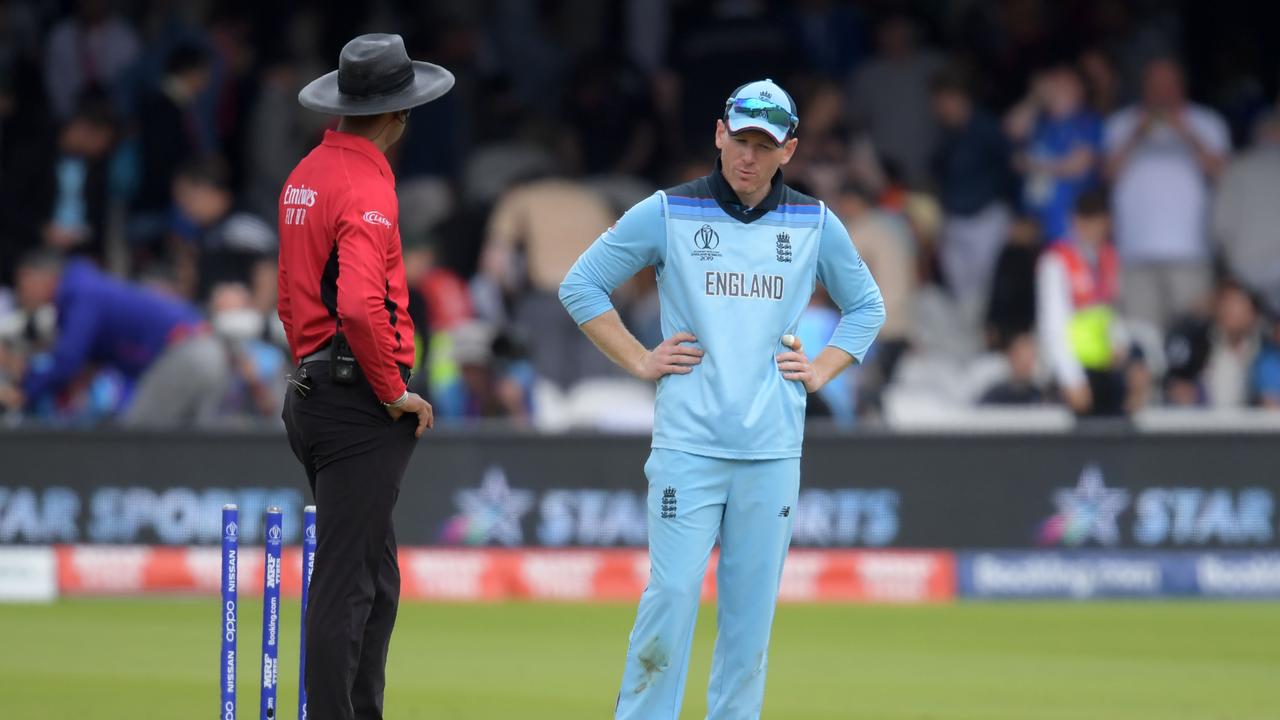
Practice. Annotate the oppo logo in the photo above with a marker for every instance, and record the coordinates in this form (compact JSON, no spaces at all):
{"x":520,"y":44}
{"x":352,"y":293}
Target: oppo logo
{"x":373,"y":217}
{"x":229,"y":624}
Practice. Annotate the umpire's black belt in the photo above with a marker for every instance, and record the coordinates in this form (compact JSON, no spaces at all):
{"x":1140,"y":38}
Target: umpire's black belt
{"x":325,"y":354}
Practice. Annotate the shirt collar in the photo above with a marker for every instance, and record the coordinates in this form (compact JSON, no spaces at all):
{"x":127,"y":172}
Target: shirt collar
{"x":347,"y":141}
{"x":728,"y":200}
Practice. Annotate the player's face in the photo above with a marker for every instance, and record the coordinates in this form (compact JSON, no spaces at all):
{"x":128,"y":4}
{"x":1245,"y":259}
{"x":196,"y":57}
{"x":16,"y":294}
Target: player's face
{"x":750,"y":158}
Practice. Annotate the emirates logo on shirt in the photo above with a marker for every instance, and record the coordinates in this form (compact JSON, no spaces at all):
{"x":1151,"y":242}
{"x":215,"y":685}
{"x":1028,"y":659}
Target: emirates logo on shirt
{"x":373,"y":217}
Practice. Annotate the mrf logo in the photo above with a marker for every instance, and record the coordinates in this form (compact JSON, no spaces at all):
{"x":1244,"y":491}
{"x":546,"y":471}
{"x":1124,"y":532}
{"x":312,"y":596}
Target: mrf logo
{"x":1092,"y":512}
{"x":705,"y":242}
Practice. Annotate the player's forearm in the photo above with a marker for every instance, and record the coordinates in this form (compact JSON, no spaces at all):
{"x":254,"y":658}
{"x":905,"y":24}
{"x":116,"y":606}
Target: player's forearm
{"x":608,"y":333}
{"x":830,"y":362}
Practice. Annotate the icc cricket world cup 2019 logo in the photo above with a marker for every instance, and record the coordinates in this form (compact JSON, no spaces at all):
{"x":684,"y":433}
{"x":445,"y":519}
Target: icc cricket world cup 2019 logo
{"x":705,"y":242}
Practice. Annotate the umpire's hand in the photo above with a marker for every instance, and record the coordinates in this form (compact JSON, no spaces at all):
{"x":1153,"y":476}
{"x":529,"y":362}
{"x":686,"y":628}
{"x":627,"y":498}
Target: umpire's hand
{"x":414,"y":404}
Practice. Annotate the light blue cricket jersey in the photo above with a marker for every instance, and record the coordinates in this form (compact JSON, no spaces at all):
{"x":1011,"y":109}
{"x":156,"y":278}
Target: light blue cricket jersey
{"x":738,"y":280}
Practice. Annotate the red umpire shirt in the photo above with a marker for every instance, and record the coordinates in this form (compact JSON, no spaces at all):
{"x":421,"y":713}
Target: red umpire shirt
{"x":340,"y":260}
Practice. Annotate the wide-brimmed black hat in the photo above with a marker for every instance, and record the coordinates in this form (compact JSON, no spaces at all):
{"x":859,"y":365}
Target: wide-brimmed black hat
{"x":375,"y":75}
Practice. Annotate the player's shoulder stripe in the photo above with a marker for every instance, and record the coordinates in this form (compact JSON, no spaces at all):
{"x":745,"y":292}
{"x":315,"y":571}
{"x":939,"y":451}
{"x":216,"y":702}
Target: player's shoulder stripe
{"x":796,"y":201}
{"x":693,"y":201}
{"x":689,"y":193}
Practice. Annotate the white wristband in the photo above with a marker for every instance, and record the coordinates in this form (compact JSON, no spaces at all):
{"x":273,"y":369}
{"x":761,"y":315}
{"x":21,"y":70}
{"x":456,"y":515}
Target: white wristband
{"x":399,"y":401}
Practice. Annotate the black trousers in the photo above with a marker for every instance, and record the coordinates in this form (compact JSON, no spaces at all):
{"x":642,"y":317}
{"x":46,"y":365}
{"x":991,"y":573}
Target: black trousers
{"x":355,"y":457}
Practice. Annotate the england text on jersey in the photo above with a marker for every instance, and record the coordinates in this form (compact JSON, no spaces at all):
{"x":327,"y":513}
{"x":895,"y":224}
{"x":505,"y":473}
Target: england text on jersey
{"x":736,"y":284}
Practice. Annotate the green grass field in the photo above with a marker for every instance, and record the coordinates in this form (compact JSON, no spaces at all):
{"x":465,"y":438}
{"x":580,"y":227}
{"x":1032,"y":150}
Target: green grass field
{"x":158,"y":658}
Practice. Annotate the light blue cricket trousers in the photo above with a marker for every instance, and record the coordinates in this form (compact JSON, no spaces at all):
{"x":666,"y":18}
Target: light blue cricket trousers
{"x":749,"y":504}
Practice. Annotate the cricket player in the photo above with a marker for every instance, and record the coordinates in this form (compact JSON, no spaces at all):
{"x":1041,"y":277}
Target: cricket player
{"x":737,"y":255}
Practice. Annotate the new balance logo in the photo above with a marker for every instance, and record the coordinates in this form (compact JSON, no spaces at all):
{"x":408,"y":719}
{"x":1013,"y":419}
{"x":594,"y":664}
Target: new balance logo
{"x":785,"y":511}
{"x":668,"y":503}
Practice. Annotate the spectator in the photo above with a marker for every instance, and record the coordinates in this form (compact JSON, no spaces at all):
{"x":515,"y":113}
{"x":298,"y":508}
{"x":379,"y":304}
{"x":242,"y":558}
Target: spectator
{"x":1266,"y":370}
{"x":215,"y":244}
{"x":1021,"y":387}
{"x":91,"y":50}
{"x":1186,"y":350}
{"x":610,"y":128}
{"x":277,"y":135}
{"x":833,"y":152}
{"x":1061,"y":142}
{"x":1234,"y":343}
{"x":1246,"y":214}
{"x":256,"y":386}
{"x":1011,"y":311}
{"x":161,"y":345}
{"x":168,"y":136}
{"x":884,"y":243}
{"x":890,"y":93}
{"x":74,"y":186}
{"x":535,"y":234}
{"x":53,"y":186}
{"x":971,"y":166}
{"x":1162,"y":155}
{"x":482,"y":379}
{"x":1102,"y":83}
{"x":832,"y":36}
{"x":1077,"y":286}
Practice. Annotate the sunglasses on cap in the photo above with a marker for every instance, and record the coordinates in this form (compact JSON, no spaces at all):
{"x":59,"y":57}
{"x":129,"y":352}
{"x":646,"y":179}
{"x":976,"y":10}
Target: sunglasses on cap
{"x":773,"y":113}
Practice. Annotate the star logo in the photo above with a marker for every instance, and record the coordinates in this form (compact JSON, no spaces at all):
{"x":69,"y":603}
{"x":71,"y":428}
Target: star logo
{"x":490,"y":513}
{"x":1086,"y":512}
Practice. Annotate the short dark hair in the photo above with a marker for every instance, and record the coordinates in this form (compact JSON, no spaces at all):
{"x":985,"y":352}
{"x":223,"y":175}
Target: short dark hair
{"x":1092,"y":203}
{"x":41,"y":258}
{"x":858,"y":189}
{"x":206,"y":170}
{"x":950,"y":80}
{"x":94,"y":108}
{"x":186,"y":57}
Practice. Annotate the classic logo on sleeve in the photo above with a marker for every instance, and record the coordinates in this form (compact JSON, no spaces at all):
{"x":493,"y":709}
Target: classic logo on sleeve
{"x":373,"y":217}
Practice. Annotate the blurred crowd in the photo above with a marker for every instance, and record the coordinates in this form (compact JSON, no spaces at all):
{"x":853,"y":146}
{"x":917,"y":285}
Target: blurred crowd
{"x":1065,"y":204}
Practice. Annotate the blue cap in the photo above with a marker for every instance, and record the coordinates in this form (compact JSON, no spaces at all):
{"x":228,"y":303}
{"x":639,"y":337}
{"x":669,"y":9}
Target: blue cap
{"x":761,"y":105}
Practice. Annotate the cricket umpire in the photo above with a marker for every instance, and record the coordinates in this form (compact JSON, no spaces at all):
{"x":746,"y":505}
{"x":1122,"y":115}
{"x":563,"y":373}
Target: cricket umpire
{"x":350,"y":419}
{"x":737,"y":254}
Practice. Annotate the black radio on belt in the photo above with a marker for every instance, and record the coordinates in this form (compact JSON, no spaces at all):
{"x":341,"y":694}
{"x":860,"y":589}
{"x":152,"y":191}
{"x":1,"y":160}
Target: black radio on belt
{"x":342,"y":362}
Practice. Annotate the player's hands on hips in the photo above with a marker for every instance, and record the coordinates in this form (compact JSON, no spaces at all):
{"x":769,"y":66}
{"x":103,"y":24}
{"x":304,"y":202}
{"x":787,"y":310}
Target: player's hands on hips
{"x":670,"y":358}
{"x":795,"y":365}
{"x":415,"y":405}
